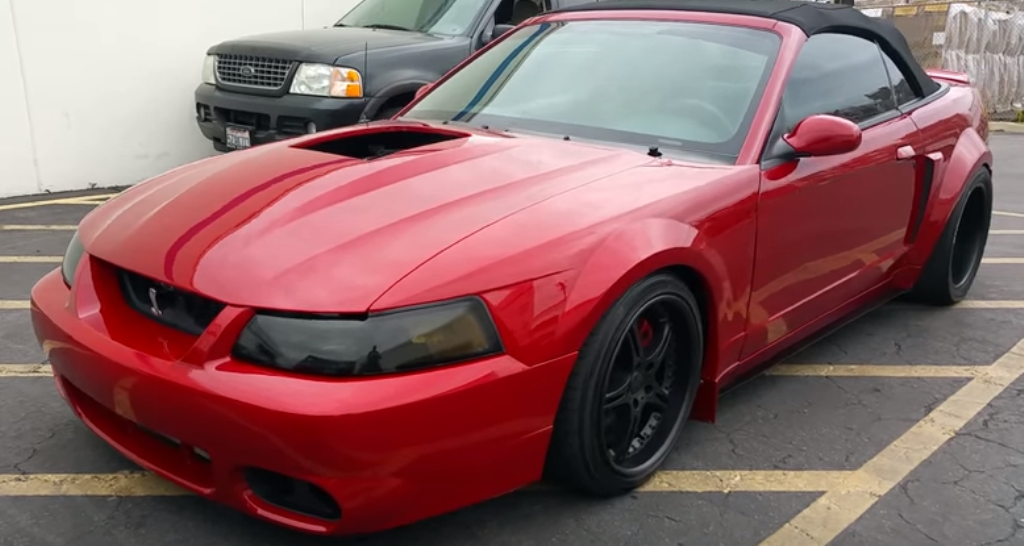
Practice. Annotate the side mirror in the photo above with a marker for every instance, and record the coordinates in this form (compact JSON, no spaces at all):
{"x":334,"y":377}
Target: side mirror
{"x":498,"y":31}
{"x":823,"y":135}
{"x":423,"y":90}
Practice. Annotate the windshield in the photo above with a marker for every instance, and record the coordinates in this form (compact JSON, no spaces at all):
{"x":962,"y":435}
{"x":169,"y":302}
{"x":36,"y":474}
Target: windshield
{"x":447,"y":17}
{"x":692,"y":87}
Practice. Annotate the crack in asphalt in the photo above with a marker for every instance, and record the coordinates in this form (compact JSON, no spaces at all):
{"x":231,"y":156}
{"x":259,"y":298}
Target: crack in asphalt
{"x":34,"y":450}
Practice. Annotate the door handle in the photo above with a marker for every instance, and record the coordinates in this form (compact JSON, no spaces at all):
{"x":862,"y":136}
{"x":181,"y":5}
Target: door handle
{"x":905,"y":152}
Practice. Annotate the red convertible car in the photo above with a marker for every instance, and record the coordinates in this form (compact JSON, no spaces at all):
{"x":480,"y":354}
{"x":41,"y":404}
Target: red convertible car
{"x":543,"y":267}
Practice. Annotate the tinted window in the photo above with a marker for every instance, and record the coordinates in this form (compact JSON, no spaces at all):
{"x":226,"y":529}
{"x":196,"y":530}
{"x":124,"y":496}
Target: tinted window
{"x":837,"y":74}
{"x":448,"y":17}
{"x":904,"y":93}
{"x":687,"y":87}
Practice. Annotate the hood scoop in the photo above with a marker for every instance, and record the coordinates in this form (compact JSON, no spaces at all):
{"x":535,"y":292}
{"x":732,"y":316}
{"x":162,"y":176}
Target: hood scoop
{"x":379,"y":141}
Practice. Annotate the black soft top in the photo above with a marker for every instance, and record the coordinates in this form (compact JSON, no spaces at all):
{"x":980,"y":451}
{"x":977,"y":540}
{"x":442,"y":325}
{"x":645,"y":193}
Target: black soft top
{"x":811,"y":17}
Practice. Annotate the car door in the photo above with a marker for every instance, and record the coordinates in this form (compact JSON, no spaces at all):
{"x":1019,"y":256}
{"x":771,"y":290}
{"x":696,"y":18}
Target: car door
{"x":829,"y":228}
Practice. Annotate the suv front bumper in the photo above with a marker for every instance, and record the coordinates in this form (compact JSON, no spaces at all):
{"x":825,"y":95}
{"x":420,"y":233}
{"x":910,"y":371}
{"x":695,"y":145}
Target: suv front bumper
{"x":269,"y":119}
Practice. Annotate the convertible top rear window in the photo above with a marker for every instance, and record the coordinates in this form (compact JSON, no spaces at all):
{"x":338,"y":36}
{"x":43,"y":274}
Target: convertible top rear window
{"x":681,"y":86}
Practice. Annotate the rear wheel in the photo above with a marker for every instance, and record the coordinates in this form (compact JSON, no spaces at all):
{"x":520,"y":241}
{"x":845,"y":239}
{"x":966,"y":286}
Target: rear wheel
{"x":631,"y":391}
{"x":950,"y":271}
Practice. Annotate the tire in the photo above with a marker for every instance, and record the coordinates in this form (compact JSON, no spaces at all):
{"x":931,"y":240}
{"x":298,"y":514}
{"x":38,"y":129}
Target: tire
{"x":950,"y":270}
{"x":579,"y":456}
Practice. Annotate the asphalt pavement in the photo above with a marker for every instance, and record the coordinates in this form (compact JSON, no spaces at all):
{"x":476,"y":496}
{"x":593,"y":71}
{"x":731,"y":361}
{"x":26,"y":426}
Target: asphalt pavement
{"x":904,"y":428}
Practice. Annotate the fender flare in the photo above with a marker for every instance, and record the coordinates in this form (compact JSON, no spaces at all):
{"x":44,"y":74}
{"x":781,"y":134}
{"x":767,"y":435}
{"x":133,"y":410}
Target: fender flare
{"x":969,"y":155}
{"x":393,"y":90}
{"x":639,"y":250}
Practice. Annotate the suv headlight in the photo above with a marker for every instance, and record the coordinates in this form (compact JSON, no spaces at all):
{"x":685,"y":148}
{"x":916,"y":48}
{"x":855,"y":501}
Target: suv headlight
{"x":321,"y":80}
{"x":404,"y":340}
{"x":210,"y":70}
{"x":72,"y":256}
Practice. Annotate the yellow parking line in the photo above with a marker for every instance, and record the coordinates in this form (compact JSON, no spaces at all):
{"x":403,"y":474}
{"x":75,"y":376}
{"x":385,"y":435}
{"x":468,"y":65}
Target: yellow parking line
{"x":833,"y":512}
{"x":121,"y":484}
{"x":991,"y":304}
{"x":872,"y":370}
{"x":30,"y":259}
{"x":145,"y":484}
{"x":1003,"y":261}
{"x":1010,"y":214}
{"x":85,"y":200}
{"x":25,"y":370}
{"x":29,"y":227}
{"x":725,"y":481}
{"x":14,"y":304}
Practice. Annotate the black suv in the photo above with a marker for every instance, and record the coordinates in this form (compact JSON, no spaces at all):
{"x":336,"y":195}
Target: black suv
{"x":366,"y":67}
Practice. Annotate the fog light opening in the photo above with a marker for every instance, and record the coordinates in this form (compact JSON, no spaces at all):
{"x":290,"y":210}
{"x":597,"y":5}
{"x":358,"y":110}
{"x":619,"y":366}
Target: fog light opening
{"x":311,"y":127}
{"x":292,"y":494}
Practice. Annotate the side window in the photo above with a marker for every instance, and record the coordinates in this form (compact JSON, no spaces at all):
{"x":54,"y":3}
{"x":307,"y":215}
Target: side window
{"x":837,"y":74}
{"x":904,"y":93}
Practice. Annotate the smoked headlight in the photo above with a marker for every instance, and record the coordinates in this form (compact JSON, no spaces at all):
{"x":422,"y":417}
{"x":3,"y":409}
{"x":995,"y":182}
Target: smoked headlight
{"x":72,"y":256}
{"x":395,"y":341}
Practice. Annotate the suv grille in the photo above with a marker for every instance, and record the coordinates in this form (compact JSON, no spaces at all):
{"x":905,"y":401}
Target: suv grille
{"x":250,"y":71}
{"x":176,"y":308}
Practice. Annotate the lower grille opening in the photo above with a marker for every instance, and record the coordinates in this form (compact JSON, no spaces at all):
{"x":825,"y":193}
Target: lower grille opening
{"x":252,"y":120}
{"x":156,"y":449}
{"x":293,"y":126}
{"x":292,"y":494}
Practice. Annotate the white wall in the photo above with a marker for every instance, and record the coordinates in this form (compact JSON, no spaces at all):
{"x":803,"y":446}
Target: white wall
{"x":99,"y":93}
{"x":17,"y":168}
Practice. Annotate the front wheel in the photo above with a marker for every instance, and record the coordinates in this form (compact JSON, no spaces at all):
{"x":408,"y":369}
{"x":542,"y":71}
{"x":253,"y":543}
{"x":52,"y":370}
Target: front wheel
{"x":631,"y":391}
{"x":956,"y":258}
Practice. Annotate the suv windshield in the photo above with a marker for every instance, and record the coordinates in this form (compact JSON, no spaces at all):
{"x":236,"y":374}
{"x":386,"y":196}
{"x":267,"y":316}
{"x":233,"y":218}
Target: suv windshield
{"x":690,"y":87}
{"x":447,"y":17}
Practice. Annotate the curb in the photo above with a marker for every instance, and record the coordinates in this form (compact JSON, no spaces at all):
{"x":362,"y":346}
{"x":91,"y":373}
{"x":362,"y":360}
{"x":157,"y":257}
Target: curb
{"x":1006,"y":127}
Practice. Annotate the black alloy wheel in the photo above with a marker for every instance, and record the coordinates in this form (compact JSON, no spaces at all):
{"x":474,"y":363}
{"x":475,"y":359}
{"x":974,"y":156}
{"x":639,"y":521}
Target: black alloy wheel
{"x":631,"y":391}
{"x":644,"y":390}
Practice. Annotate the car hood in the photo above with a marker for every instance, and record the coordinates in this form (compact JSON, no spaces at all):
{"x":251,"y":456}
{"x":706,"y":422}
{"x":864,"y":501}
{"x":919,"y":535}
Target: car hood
{"x":322,"y":45}
{"x":286,"y":227}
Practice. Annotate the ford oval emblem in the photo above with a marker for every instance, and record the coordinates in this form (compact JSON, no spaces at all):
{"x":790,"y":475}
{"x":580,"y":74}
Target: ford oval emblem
{"x":247,"y":71}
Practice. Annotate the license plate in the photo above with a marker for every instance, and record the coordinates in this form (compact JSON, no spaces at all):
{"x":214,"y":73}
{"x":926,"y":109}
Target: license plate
{"x":238,"y":138}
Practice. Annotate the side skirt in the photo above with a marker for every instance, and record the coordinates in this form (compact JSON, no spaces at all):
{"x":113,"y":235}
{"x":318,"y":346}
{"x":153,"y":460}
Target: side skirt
{"x":709,"y":394}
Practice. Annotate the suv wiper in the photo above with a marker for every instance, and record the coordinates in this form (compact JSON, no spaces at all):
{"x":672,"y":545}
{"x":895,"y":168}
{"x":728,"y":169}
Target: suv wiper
{"x":387,"y":27}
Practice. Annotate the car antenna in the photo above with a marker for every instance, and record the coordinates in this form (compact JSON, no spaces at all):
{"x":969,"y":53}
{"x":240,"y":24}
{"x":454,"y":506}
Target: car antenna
{"x":362,"y":82}
{"x":653,"y":151}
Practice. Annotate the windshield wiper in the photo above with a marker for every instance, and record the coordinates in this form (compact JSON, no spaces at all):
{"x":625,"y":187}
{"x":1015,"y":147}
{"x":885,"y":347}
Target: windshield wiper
{"x":387,"y":27}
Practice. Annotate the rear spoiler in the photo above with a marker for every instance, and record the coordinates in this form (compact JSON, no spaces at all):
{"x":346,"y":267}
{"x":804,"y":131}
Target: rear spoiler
{"x":949,"y":76}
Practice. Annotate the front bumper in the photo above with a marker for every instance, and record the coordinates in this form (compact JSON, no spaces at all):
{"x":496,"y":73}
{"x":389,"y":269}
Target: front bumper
{"x":269,"y":119}
{"x":388,"y":451}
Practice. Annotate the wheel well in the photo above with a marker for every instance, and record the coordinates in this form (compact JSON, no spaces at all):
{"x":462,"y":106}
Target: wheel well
{"x":699,"y":286}
{"x":396,"y":101}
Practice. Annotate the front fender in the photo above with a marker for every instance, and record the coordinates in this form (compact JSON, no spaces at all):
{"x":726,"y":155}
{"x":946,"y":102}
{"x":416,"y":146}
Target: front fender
{"x":643,"y":248}
{"x":970,"y":154}
{"x":628,"y":255}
